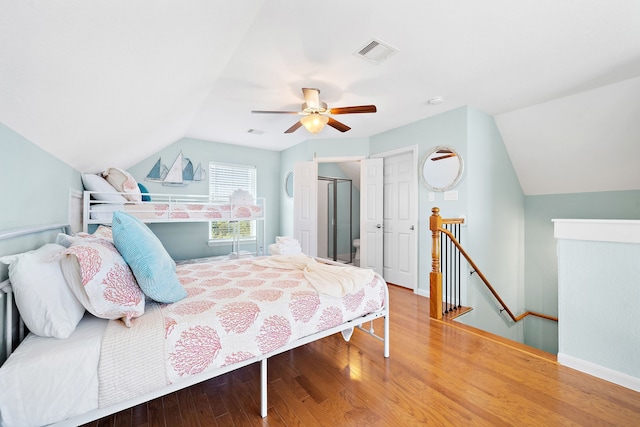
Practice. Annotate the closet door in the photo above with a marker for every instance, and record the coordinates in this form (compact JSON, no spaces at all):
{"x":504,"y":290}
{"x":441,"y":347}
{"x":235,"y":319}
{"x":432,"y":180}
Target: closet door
{"x":305,"y":209}
{"x":371,"y":214}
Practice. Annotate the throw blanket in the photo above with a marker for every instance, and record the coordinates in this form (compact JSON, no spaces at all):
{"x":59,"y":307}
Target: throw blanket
{"x":123,"y":373}
{"x":329,"y":279}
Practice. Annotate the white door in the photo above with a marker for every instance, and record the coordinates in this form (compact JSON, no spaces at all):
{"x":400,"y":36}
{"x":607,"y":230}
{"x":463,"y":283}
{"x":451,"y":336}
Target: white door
{"x":371,"y":218}
{"x":400,"y":224}
{"x":305,"y":210}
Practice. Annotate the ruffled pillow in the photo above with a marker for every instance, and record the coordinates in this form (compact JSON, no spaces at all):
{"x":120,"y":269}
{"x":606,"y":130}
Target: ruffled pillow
{"x":124,"y":182}
{"x":45,"y":302}
{"x":101,"y":280}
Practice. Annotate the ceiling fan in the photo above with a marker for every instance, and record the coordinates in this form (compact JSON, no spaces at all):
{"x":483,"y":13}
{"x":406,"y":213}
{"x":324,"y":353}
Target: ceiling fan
{"x":316,"y":114}
{"x":445,"y":154}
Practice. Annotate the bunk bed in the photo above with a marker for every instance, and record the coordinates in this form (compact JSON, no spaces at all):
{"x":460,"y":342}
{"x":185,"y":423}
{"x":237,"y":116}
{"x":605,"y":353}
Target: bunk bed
{"x":98,"y":208}
{"x":235,"y":313}
{"x":117,"y":190}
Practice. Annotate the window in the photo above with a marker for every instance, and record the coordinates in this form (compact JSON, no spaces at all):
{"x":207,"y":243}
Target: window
{"x":224,"y":179}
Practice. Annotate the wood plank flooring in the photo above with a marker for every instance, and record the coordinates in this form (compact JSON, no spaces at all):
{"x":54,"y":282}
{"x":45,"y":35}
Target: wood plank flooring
{"x":438,"y":374}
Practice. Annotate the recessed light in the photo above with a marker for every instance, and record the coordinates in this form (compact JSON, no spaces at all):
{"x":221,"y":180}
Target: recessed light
{"x":436,"y":100}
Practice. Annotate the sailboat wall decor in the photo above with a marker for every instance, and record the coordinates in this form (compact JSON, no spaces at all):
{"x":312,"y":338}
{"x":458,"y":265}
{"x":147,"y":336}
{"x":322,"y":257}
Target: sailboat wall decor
{"x":179,"y":174}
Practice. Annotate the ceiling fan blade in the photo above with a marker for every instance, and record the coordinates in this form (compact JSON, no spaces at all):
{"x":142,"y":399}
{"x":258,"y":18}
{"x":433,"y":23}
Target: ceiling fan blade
{"x":294,"y":128}
{"x":311,"y":97}
{"x":337,"y":125}
{"x":273,"y":112}
{"x":444,"y":156}
{"x":353,"y":110}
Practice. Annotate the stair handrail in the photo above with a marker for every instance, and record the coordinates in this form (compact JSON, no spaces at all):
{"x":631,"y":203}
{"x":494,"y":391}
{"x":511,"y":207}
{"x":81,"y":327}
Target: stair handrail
{"x":435,"y":277}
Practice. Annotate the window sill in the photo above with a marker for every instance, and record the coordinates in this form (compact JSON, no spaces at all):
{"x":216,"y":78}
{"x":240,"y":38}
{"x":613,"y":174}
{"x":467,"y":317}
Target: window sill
{"x":227,"y":242}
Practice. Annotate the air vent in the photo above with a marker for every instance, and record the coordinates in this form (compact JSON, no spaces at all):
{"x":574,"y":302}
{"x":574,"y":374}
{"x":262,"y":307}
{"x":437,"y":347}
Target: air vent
{"x":376,"y":51}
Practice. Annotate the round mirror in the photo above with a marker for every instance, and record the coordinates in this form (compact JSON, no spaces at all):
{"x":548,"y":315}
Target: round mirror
{"x":288,"y":184}
{"x":441,"y":168}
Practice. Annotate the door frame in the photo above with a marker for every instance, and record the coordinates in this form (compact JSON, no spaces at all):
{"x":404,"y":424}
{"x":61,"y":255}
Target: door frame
{"x":413,"y":149}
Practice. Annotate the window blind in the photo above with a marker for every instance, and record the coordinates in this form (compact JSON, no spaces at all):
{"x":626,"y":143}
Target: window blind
{"x":224,"y":179}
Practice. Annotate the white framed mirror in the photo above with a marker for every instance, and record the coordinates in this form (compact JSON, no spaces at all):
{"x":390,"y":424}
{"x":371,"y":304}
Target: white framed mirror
{"x":441,"y":168}
{"x":288,"y":184}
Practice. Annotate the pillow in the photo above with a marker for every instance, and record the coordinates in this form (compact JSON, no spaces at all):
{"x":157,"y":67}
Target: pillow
{"x":145,"y":193}
{"x":153,"y":267}
{"x":67,"y":240}
{"x":46,"y":304}
{"x":101,"y":280}
{"x":103,"y":232}
{"x":124,"y":182}
{"x":94,"y":182}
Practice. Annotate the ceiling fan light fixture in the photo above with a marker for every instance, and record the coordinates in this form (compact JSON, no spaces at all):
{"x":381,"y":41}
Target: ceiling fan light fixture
{"x":314,"y":123}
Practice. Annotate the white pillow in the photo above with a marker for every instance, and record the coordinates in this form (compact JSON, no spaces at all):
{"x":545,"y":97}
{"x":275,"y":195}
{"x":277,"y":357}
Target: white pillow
{"x":94,"y":182}
{"x":124,"y":182}
{"x":46,"y":303}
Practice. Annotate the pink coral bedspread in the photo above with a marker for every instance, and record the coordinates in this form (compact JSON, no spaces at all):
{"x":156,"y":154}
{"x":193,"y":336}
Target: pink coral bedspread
{"x":151,"y":210}
{"x":237,"y":310}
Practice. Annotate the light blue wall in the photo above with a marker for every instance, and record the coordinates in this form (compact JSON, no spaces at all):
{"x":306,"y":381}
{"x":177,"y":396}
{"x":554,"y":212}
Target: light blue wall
{"x":495,"y":223}
{"x":489,"y":197}
{"x":541,"y":269}
{"x":34,"y":189}
{"x":189,"y":240}
{"x":598,"y":304}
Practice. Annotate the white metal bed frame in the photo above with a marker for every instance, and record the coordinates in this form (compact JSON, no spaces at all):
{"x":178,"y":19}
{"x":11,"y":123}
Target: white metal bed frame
{"x":176,"y":204}
{"x":96,"y":414}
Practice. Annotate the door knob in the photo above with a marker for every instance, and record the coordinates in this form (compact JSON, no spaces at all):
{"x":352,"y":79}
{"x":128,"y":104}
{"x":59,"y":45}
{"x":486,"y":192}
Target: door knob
{"x":378,"y":226}
{"x":411,"y":227}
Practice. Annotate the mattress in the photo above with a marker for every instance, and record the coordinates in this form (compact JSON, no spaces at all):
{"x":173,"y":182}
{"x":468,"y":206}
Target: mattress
{"x":180,"y":211}
{"x":62,"y":373}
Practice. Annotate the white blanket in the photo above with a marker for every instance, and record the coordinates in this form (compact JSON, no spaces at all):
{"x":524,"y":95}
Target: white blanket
{"x":328,"y":279}
{"x":125,"y":374}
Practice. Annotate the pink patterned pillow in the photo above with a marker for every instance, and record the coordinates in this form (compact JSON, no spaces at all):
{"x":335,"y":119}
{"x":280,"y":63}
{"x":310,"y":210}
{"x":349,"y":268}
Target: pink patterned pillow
{"x":101,"y":280}
{"x":124,"y":182}
{"x":104,"y":232}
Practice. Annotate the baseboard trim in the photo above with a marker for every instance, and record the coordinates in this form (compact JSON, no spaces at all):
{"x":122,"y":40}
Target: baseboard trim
{"x":607,"y":374}
{"x":422,"y":292}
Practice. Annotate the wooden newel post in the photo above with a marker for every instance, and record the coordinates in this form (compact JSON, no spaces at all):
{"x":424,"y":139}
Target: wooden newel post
{"x":435,"y":277}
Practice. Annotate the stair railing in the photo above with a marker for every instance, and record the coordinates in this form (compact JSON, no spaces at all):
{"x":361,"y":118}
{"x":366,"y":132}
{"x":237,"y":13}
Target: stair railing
{"x":436,"y":223}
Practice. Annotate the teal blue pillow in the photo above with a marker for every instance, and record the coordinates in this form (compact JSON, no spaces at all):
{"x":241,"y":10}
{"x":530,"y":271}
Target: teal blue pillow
{"x":144,"y":192}
{"x":152,"y":266}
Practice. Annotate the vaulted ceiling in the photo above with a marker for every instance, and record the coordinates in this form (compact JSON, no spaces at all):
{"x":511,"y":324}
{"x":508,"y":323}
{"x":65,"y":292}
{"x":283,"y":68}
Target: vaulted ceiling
{"x":127,"y":78}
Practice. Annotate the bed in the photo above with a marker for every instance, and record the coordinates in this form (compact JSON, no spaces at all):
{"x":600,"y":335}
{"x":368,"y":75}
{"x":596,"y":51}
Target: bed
{"x":169,"y":208}
{"x":234,"y":313}
{"x":117,"y":190}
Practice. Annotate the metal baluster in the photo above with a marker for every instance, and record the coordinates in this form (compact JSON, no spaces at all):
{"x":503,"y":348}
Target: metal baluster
{"x":459,"y":237}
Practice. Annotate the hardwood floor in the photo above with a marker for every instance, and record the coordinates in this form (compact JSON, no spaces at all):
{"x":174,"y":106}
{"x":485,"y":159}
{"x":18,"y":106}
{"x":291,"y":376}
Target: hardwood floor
{"x":438,"y":374}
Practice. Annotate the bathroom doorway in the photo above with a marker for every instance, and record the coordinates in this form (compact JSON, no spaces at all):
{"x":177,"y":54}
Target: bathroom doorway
{"x":367,"y":221}
{"x":335,"y":219}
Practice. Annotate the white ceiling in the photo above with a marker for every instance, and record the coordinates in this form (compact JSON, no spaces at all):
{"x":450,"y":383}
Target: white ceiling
{"x":127,"y":78}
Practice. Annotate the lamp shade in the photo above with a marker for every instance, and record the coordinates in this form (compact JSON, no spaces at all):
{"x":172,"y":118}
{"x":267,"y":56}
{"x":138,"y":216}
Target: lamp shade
{"x":314,"y":123}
